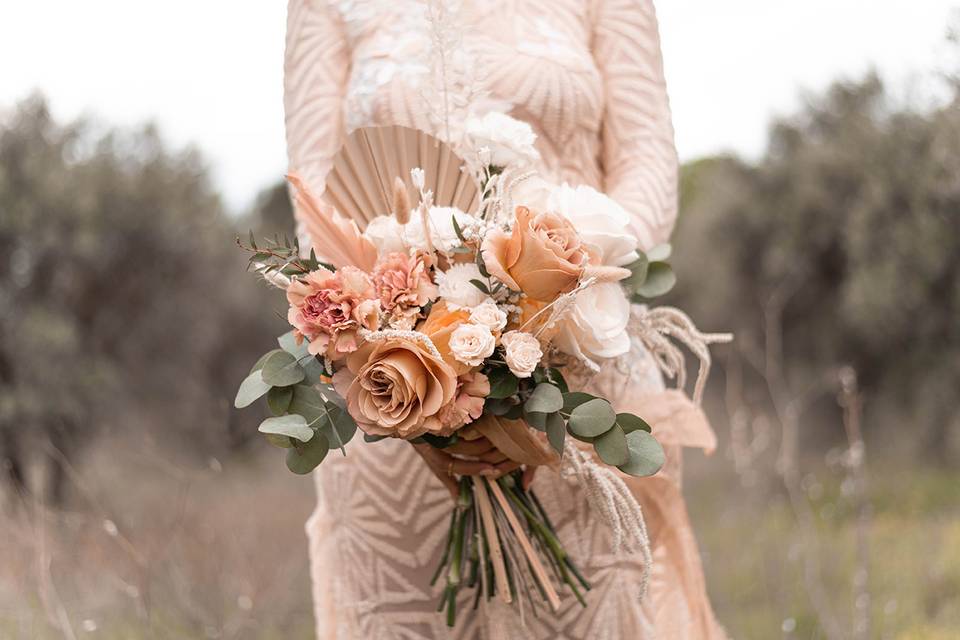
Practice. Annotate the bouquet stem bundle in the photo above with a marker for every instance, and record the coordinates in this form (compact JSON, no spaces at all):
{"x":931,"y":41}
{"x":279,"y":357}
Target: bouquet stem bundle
{"x":500,"y":544}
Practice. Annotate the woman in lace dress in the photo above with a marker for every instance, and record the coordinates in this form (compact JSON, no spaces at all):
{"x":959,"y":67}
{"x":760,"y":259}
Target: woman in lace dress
{"x":587,"y":75}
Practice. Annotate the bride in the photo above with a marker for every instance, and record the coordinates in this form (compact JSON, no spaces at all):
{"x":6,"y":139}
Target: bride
{"x":587,"y":75}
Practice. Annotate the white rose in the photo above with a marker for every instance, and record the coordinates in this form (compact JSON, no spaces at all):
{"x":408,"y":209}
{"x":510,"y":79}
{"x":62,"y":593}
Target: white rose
{"x":595,"y":326}
{"x":442,"y":233}
{"x":523,"y":352}
{"x":457,"y":290}
{"x":471,"y":343}
{"x":386,"y":234}
{"x":510,"y":141}
{"x":533,"y":192}
{"x":603,"y":225}
{"x":489,"y":315}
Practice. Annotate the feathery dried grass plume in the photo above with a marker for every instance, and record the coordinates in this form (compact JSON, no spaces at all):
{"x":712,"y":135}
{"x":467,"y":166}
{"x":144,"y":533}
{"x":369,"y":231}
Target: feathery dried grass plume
{"x":401,"y":201}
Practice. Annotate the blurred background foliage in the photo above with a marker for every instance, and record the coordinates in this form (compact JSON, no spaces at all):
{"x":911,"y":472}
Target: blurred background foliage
{"x":138,"y":507}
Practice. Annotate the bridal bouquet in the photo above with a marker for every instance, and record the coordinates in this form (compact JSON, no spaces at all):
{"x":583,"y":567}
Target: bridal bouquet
{"x":454,"y":314}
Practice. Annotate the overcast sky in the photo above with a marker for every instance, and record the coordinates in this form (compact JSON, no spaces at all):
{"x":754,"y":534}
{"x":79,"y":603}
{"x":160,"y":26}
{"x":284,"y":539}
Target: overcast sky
{"x":210,"y":71}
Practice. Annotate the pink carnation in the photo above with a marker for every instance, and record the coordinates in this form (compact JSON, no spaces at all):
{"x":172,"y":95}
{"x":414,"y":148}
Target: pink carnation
{"x":328,"y":309}
{"x":402,"y":282}
{"x":472,"y":389}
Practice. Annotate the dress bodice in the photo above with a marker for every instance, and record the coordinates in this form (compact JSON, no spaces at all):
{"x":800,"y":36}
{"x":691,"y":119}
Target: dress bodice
{"x":585,"y":74}
{"x":538,"y":65}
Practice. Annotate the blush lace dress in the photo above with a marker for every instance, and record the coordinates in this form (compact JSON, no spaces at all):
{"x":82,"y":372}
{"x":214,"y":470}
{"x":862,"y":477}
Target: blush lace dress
{"x":587,"y":75}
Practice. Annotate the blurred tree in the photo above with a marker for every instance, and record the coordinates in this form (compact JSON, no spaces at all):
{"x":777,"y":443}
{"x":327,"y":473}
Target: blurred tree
{"x":852,"y":219}
{"x":123,"y":302}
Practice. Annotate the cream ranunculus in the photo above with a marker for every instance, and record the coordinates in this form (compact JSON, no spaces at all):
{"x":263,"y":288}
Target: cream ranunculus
{"x":523,"y":352}
{"x":396,"y":387}
{"x":489,"y":315}
{"x":457,"y":290}
{"x":603,"y":225}
{"x":595,"y":326}
{"x":472,"y":343}
{"x":510,"y":141}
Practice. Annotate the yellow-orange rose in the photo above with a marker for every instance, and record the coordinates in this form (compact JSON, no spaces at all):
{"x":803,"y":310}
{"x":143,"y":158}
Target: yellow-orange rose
{"x":396,"y":387}
{"x":542,"y":256}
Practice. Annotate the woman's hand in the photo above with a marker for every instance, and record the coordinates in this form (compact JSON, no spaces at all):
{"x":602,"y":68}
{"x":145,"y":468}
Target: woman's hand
{"x":471,"y":455}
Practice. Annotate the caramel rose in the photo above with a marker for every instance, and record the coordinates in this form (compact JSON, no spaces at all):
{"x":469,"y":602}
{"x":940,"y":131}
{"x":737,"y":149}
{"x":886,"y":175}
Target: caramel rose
{"x":542,"y":256}
{"x":396,"y":387}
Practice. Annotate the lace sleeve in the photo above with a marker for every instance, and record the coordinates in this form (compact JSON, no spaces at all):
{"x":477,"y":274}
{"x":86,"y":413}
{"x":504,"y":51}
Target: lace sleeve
{"x":316,"y":67}
{"x":639,"y":157}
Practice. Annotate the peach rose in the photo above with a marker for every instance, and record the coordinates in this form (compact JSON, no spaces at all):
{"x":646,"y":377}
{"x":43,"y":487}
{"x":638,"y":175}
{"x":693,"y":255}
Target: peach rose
{"x":522,"y":352}
{"x":542,"y":256}
{"x":397,"y":388}
{"x":328,"y":309}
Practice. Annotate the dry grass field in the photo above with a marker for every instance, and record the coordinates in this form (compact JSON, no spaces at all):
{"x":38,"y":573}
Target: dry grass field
{"x":157,"y":548}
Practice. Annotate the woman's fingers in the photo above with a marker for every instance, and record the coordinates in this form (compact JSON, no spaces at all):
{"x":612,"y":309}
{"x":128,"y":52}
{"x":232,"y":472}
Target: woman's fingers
{"x":494,"y":456}
{"x":504,"y":468}
{"x":527,"y":478}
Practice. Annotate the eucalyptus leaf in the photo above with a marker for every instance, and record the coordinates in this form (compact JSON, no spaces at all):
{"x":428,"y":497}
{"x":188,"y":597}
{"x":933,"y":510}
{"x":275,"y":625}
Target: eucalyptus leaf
{"x":288,"y":342}
{"x":372,"y":438}
{"x":503,"y":384}
{"x":292,"y":425}
{"x":252,"y":388}
{"x":278,"y":399}
{"x":556,"y":431}
{"x":307,"y":402}
{"x":536,"y":420}
{"x":304,"y":459}
{"x":592,"y":418}
{"x":281,"y":370}
{"x":342,"y":425}
{"x":638,"y":273}
{"x":646,"y":455}
{"x":312,"y":369}
{"x":660,"y":279}
{"x":545,"y":398}
{"x":283,"y":442}
{"x":574,"y":399}
{"x":630,"y":422}
{"x":263,"y":358}
{"x":498,"y":406}
{"x":612,"y":447}
{"x":660,"y":253}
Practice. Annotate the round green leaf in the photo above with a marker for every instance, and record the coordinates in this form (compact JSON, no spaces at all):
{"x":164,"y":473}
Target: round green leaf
{"x":503,"y":384}
{"x":307,"y":402}
{"x":638,"y":273}
{"x":284,"y":442}
{"x":288,"y":342}
{"x":263,"y":358}
{"x":592,"y":418}
{"x":660,"y":279}
{"x":556,"y":431}
{"x":545,"y":398}
{"x":281,"y":370}
{"x":574,"y":399}
{"x":646,"y":454}
{"x":278,"y":399}
{"x":536,"y":420}
{"x":340,"y":427}
{"x":660,"y":253}
{"x":293,"y":425}
{"x":630,"y":422}
{"x":251,"y":388}
{"x":305,"y":458}
{"x":612,"y":447}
